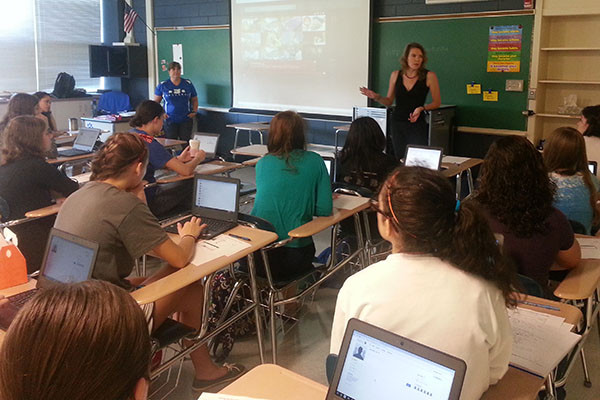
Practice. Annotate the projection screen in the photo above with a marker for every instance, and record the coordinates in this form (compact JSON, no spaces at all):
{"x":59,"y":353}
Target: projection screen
{"x":310,"y":56}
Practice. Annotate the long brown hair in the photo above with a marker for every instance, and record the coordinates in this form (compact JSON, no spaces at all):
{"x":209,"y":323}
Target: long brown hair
{"x":404,"y":59}
{"x":120,"y":151}
{"x":514,"y":186}
{"x":364,"y":146}
{"x":422,"y":207}
{"x":80,"y":341}
{"x":286,"y":134}
{"x":565,"y":154}
{"x":23,"y":137}
{"x":19,"y":104}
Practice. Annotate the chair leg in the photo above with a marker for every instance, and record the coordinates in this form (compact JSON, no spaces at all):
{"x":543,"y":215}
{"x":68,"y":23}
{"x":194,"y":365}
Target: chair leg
{"x":586,"y":375}
{"x":272,"y":326}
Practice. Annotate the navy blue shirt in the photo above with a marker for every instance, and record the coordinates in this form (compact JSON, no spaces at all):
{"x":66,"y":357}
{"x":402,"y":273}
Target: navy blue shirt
{"x":177,"y":99}
{"x":158,"y":157}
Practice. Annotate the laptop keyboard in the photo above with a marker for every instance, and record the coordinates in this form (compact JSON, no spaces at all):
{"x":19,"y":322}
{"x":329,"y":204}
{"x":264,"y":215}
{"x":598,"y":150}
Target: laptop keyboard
{"x":20,"y":299}
{"x":73,"y":152}
{"x":214,"y":226}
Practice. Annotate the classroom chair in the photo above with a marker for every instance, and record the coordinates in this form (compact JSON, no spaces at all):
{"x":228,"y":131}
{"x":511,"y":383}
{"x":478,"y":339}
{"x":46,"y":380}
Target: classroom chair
{"x":277,"y":292}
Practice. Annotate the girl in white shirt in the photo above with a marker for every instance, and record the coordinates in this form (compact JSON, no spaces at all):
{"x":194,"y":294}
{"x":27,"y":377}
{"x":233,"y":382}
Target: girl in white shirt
{"x":445,"y":285}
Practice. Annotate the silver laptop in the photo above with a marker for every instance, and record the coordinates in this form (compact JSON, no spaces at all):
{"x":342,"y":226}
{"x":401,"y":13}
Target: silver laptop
{"x":375,"y":364}
{"x":216,"y":202}
{"x":330,"y":165}
{"x":84,"y":144}
{"x":68,"y":259}
{"x":423,"y":156}
{"x":208,"y":143}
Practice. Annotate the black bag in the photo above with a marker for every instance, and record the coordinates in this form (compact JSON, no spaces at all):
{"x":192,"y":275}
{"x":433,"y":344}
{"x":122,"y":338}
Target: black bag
{"x":64,"y":85}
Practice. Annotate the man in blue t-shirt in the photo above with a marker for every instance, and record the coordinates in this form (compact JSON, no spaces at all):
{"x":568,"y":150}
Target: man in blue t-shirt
{"x":181,"y":103}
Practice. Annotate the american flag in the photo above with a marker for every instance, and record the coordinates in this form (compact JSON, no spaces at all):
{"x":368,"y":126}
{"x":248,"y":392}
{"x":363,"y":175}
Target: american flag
{"x":129,"y":18}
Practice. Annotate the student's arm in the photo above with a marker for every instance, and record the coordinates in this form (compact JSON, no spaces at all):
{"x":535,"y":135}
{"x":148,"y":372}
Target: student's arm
{"x":185,"y":168}
{"x":179,"y":255}
{"x":54,"y":180}
{"x":324,"y":203}
{"x":391,"y":95}
{"x":569,"y":258}
{"x":570,"y":253}
{"x":194,"y":101}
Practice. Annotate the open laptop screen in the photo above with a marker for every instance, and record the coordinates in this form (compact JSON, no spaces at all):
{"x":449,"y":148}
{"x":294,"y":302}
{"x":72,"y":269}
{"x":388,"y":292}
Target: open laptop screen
{"x":376,"y":369}
{"x":218,"y":195}
{"x":86,"y":139}
{"x":208,"y":143}
{"x":68,"y":261}
{"x":427,"y":157}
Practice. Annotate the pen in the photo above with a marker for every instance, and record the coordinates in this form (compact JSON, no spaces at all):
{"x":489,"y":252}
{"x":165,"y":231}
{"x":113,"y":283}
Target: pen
{"x":240,"y":237}
{"x":539,"y":305}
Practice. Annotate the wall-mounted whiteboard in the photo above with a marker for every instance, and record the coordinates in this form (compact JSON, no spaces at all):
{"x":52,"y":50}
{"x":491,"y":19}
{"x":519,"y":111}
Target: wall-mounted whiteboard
{"x":306,"y":55}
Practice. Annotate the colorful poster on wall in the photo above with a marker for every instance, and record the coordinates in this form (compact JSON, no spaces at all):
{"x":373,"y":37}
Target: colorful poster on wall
{"x":504,"y":48}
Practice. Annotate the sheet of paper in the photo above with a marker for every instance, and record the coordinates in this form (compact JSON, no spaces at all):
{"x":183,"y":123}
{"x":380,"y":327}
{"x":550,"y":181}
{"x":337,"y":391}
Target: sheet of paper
{"x":220,"y":396}
{"x":207,"y":250}
{"x":454,"y":159}
{"x":590,"y":248}
{"x":539,"y":342}
{"x":205,"y":168}
{"x":348,"y":202}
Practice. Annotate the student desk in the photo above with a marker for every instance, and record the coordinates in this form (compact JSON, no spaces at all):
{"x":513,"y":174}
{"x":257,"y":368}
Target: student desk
{"x":259,"y":150}
{"x":307,"y":230}
{"x":338,"y":129}
{"x":171,"y":142}
{"x":457,"y":166}
{"x":193,"y":273}
{"x":272,"y":382}
{"x":224,"y":167}
{"x":250,"y":127}
{"x":61,"y":160}
{"x":518,"y":384}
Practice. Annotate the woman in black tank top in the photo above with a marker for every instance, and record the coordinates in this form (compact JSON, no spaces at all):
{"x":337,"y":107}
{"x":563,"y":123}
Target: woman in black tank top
{"x":409,"y":88}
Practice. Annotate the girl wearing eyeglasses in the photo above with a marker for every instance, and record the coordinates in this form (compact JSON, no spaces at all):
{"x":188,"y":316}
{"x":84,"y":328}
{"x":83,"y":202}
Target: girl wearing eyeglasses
{"x":445,"y":285}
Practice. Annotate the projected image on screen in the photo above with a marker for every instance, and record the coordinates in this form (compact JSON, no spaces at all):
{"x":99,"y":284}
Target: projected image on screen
{"x":305,"y":55}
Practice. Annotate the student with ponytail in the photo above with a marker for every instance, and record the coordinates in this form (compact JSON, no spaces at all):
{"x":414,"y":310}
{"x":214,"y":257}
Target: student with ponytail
{"x":167,"y":199}
{"x":445,"y":278}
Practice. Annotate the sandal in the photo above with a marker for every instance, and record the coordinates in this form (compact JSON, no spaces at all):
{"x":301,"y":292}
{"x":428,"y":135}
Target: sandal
{"x":234,"y":371}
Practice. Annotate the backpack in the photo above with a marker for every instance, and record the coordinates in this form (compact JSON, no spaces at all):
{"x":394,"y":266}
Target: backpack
{"x":64,"y":85}
{"x":222,"y":344}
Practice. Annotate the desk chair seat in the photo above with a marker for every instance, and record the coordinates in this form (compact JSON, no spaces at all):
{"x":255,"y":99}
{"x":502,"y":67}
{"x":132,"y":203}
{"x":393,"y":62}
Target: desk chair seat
{"x":170,"y":332}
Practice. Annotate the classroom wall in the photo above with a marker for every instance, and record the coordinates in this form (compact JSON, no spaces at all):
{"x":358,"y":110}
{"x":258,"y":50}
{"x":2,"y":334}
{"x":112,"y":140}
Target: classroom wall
{"x":170,"y":13}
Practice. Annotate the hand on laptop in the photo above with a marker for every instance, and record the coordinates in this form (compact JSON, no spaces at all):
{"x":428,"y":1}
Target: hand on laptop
{"x":193,"y":227}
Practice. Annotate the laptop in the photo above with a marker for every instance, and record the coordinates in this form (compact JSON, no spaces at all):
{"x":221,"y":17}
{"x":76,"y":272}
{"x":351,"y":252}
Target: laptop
{"x":593,"y":167}
{"x":376,"y":364}
{"x":423,"y":156}
{"x":208,"y":143}
{"x":329,"y":164}
{"x":68,"y":259}
{"x":84,"y":144}
{"x":216,"y":202}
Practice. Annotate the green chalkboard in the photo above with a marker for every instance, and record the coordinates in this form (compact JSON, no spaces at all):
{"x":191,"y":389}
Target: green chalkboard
{"x":457,"y":50}
{"x":206,"y":62}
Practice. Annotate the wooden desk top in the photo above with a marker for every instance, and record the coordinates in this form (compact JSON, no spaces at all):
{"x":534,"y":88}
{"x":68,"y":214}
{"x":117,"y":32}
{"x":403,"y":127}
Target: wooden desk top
{"x":453,"y":169}
{"x":259,"y":150}
{"x":250,"y":126}
{"x":272,"y":382}
{"x":60,"y":160}
{"x":342,"y":128}
{"x":193,"y":273}
{"x":252,"y":162}
{"x":43,"y":212}
{"x":170,"y":142}
{"x":321,"y":223}
{"x":581,"y":282}
{"x":225,"y":166}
